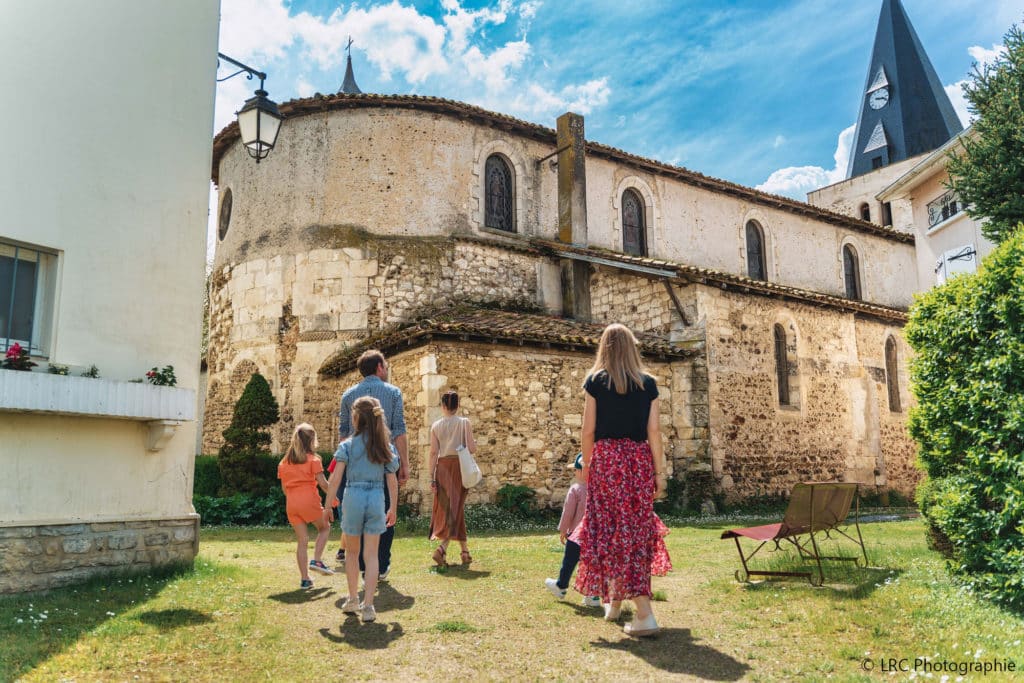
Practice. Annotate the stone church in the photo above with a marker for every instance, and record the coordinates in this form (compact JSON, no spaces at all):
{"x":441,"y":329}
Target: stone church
{"x":485,"y":254}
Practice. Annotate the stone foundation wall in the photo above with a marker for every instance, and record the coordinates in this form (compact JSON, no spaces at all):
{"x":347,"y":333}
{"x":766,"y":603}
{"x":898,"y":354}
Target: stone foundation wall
{"x":48,"y":556}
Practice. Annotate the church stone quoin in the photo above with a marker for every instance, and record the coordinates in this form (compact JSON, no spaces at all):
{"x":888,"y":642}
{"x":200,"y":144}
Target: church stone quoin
{"x":430,"y":229}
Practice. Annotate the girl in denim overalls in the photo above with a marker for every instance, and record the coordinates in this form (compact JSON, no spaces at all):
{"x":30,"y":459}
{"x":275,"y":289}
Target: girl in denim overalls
{"x":367,"y":456}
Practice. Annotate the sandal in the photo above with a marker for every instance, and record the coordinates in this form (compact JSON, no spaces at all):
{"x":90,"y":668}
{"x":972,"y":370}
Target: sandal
{"x":439,"y":558}
{"x":466,"y":558}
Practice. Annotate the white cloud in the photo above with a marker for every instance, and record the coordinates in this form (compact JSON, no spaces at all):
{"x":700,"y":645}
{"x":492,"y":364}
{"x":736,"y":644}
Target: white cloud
{"x":780,"y":140}
{"x":955,"y":93}
{"x":304,"y":88}
{"x":581,"y":99}
{"x":982,"y":57}
{"x":797,"y":181}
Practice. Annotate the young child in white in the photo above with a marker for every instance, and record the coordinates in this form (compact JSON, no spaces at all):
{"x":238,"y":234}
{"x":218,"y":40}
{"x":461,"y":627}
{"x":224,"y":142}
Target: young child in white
{"x":300,"y":470}
{"x":368,"y":457}
{"x":572,"y":513}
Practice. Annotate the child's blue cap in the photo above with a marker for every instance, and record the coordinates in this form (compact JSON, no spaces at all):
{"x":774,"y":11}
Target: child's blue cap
{"x":577,"y":463}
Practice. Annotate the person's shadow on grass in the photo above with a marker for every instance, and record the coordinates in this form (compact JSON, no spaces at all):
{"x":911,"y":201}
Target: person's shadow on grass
{"x":375,"y":635}
{"x":298,"y":597}
{"x":676,"y":651}
{"x":458,"y":571}
{"x":390,"y":599}
{"x":167,"y":619}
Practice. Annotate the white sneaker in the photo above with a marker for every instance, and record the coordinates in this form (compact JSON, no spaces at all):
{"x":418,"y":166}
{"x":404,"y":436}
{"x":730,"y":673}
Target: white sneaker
{"x":351,"y":606}
{"x":612,"y":613}
{"x":591,"y":601}
{"x":552,"y":586}
{"x":383,"y":576}
{"x":642,"y":627}
{"x":369,"y":613}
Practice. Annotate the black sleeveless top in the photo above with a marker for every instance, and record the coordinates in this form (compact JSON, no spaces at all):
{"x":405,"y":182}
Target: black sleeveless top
{"x":621,"y":416}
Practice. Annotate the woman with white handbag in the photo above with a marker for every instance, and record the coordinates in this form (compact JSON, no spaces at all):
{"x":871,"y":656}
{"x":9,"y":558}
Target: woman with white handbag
{"x":451,"y":441}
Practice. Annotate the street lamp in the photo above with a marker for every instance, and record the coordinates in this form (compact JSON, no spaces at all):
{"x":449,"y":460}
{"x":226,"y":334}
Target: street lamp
{"x":259,"y":121}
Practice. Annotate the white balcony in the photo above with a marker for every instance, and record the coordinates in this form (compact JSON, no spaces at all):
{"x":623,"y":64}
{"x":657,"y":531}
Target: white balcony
{"x":163,"y":408}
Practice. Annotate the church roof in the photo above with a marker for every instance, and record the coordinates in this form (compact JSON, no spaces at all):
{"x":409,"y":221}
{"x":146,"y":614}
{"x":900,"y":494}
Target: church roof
{"x":349,"y":85}
{"x":459,"y":110}
{"x":904,"y":108}
{"x":493,"y":326}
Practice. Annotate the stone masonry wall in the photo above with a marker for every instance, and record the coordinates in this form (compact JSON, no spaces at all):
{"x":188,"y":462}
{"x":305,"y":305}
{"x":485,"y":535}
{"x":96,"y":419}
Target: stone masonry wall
{"x":640,"y":304}
{"x":833,"y":430}
{"x":283,"y":316}
{"x":526,"y":408}
{"x":47,"y":556}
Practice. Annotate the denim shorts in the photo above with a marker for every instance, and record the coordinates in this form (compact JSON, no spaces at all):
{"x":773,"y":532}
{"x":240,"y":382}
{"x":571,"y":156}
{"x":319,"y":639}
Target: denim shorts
{"x":362,"y":508}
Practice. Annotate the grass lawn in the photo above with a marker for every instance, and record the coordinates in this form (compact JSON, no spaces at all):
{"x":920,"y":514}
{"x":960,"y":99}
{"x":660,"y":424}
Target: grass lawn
{"x":239,"y":616}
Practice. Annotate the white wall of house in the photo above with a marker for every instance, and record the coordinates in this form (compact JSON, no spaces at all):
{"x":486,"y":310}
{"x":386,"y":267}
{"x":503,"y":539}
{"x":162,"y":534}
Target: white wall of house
{"x":108,"y":121}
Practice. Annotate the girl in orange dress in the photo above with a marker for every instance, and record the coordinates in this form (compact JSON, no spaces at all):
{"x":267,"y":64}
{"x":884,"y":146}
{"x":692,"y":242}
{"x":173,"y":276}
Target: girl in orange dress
{"x":300,"y":470}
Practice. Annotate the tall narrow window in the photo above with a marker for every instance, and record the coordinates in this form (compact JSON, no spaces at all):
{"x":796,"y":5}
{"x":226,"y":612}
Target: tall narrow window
{"x":851,"y":273}
{"x":886,"y":213}
{"x":27,"y":285}
{"x":865,"y":212}
{"x":633,"y":229}
{"x":892,"y":375}
{"x":498,"y":195}
{"x":755,"y":252}
{"x":781,"y":365}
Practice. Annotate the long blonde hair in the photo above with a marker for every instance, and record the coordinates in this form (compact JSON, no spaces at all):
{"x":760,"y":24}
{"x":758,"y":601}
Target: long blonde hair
{"x":368,"y":420}
{"x":618,"y":355}
{"x":303,"y":443}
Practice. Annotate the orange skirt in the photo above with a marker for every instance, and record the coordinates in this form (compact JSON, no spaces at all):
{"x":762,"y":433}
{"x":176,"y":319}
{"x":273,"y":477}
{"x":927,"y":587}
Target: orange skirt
{"x":448,"y":518}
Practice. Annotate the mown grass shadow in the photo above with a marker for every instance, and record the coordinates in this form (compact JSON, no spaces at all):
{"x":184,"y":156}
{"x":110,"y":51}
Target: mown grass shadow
{"x":27,"y":639}
{"x":375,"y":635}
{"x":675,"y":650}
{"x":300,"y":595}
{"x":168,"y":619}
{"x":843,"y":581}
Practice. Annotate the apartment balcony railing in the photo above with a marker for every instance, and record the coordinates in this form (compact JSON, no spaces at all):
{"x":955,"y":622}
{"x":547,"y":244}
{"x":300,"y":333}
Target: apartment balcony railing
{"x":943,"y":208}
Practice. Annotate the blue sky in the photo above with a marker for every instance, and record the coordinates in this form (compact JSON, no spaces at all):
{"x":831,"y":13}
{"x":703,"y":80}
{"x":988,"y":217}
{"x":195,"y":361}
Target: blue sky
{"x":758,"y":92}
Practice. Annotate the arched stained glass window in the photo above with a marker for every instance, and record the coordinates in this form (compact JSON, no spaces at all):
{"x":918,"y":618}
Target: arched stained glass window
{"x":781,"y":365}
{"x":892,"y":375}
{"x":633,"y":228}
{"x":851,"y":273}
{"x":499,"y":195}
{"x":755,"y":252}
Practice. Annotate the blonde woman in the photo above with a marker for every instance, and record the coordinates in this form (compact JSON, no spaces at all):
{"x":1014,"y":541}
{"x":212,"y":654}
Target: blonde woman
{"x":448,"y":516}
{"x":620,"y":537}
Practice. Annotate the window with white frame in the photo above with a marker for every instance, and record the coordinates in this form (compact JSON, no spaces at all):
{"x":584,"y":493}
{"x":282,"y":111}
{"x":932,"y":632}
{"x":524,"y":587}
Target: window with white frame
{"x":28,"y":277}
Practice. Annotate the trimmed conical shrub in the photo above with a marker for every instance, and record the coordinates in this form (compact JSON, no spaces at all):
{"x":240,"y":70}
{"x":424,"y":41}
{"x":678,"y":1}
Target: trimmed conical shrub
{"x":242,"y":459}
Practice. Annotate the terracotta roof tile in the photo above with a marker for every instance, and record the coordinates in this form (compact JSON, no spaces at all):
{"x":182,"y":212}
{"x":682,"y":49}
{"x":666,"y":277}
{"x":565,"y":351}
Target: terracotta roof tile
{"x":502,"y":327}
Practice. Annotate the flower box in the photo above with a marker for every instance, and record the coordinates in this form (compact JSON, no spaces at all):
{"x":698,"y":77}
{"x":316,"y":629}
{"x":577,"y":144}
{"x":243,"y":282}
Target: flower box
{"x":162,"y":407}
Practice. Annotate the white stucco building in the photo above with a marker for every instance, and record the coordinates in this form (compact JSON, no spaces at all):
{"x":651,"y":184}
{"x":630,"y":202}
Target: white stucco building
{"x":104,"y":189}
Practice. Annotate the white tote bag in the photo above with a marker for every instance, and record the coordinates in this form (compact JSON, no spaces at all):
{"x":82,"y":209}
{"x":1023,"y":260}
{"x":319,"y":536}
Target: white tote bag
{"x":471,"y":474}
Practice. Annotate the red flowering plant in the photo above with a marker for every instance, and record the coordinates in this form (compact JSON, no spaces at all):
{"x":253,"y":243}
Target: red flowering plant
{"x":162,"y":377}
{"x":17,"y":358}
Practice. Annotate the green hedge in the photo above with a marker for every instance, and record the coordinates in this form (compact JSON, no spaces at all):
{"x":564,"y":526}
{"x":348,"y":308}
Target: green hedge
{"x":968,"y":376}
{"x":242,"y":509}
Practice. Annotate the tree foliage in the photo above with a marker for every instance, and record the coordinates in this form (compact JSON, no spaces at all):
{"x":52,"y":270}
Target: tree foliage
{"x":242,"y":470}
{"x":968,"y":376}
{"x":988,"y":175}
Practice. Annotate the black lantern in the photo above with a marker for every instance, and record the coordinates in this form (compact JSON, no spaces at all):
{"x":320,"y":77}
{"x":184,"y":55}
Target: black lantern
{"x":258,"y":120}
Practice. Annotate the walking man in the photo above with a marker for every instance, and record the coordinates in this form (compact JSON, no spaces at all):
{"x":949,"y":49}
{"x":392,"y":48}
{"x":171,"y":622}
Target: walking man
{"x":374,"y":369}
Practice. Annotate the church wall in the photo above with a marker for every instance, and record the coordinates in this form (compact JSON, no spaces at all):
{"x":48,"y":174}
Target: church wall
{"x":846,"y":196}
{"x":834,"y":431}
{"x":707,"y":229}
{"x":293,"y":311}
{"x":526,"y":409}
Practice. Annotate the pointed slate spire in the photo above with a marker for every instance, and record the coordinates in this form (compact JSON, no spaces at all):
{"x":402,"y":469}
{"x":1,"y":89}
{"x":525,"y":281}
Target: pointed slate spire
{"x":349,"y":85}
{"x":905,"y":110}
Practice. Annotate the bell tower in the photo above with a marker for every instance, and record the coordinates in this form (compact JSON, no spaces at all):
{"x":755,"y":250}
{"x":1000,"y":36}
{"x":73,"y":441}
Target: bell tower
{"x":904,"y":110}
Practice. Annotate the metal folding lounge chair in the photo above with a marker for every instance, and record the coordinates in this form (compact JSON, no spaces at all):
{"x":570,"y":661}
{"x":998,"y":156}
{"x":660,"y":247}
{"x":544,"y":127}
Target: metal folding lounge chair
{"x":814,"y":509}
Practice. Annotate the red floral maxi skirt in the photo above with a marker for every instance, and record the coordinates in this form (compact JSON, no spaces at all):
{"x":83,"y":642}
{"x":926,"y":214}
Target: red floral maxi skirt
{"x":621,"y":539}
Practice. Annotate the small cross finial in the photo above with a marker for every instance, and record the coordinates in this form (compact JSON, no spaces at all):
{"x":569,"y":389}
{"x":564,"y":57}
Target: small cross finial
{"x":349,"y":46}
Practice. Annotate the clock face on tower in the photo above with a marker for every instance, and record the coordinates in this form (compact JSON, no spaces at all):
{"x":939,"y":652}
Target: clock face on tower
{"x":878,"y":98}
